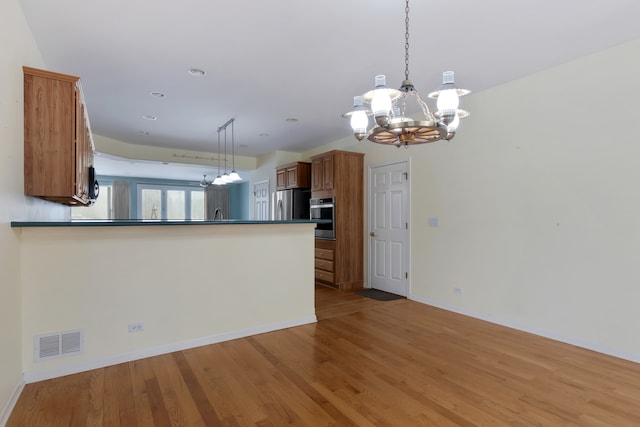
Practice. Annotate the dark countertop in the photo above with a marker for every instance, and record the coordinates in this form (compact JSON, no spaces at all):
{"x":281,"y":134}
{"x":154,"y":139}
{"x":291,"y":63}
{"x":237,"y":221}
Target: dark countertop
{"x":139,"y":222}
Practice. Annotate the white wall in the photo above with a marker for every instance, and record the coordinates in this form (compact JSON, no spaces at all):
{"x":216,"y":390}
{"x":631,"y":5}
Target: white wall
{"x":18,"y":49}
{"x":190,"y":285}
{"x":538,"y":204}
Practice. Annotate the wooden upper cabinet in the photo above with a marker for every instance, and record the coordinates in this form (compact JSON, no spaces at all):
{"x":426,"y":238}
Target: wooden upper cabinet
{"x":281,"y":179}
{"x":58,"y":148}
{"x":322,"y":173}
{"x":294,"y":175}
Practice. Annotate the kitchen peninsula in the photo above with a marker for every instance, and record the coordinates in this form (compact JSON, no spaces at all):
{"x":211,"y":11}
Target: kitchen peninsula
{"x":181,"y":283}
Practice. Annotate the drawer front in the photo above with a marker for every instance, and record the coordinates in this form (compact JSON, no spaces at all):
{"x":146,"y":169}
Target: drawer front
{"x":324,"y":254}
{"x":323,"y":264}
{"x":324,"y":275}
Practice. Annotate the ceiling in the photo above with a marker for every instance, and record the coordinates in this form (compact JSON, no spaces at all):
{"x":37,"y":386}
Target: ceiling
{"x":287,"y":69}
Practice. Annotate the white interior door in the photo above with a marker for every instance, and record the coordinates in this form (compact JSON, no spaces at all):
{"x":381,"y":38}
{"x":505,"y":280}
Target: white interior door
{"x":261,"y":201}
{"x":389,"y":228}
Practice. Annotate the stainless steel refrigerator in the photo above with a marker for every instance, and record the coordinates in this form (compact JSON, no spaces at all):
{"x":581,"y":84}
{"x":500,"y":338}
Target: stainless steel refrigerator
{"x":290,"y":204}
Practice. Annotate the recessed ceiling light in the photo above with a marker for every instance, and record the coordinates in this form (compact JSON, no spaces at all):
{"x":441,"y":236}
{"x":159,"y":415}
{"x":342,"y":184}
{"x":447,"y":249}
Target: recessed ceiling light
{"x":157,"y":94}
{"x":291,"y":120}
{"x":148,"y":117}
{"x":197,"y":72}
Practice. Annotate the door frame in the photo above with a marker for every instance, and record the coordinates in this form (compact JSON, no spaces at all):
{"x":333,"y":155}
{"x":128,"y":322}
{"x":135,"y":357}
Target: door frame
{"x":370,"y":169}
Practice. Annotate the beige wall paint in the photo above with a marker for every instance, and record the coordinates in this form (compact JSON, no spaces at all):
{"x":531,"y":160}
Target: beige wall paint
{"x":18,"y":49}
{"x":537,"y":203}
{"x":183,"y":282}
{"x":172,"y":155}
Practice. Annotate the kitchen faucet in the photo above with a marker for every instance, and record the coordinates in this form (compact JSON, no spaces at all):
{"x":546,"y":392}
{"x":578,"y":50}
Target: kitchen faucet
{"x":217,"y":212}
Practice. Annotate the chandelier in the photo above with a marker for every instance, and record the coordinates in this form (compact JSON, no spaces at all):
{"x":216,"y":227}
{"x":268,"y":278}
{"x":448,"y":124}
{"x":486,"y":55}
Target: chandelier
{"x":233,"y":176}
{"x":388,"y":106}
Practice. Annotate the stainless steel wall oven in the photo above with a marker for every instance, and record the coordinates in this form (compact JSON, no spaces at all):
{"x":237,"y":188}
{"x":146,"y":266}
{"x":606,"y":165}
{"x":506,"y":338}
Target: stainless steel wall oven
{"x":324,"y":209}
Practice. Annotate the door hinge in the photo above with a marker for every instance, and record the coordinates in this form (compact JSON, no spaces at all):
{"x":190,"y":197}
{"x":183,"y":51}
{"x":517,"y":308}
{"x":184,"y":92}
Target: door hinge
{"x":406,"y":225}
{"x":406,"y":274}
{"x":406,"y":175}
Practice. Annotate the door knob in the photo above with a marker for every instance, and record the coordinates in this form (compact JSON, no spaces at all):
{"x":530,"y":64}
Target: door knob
{"x":372,"y":234}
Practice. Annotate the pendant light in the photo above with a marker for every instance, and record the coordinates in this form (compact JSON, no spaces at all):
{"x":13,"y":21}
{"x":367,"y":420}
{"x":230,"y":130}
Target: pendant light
{"x":225,"y":176}
{"x":218,"y":180}
{"x":233,"y":176}
{"x":204,"y":183}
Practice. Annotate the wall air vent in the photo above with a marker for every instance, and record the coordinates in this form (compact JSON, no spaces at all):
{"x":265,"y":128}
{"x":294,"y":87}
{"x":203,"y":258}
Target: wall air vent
{"x":51,"y":346}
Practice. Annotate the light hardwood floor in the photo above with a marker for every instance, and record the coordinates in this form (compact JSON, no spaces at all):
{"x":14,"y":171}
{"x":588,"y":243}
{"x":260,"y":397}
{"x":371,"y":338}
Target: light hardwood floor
{"x":365,"y":363}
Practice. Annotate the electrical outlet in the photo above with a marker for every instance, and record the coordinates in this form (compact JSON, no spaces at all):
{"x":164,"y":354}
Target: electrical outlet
{"x":136,"y":327}
{"x":457,"y":291}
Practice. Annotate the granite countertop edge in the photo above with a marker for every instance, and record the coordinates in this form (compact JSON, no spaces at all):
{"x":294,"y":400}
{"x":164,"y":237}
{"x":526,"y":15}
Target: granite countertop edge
{"x":146,"y":223}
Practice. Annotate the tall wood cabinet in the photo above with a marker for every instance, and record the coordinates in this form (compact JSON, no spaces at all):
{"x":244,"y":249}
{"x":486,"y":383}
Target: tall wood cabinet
{"x":339,"y":263}
{"x":58,"y":148}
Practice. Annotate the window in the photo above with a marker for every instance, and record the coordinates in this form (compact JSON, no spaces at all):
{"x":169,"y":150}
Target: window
{"x":102,"y":209}
{"x":167,"y":202}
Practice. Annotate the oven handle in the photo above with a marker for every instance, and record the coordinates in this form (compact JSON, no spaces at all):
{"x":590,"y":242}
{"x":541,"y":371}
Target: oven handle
{"x":330,"y":205}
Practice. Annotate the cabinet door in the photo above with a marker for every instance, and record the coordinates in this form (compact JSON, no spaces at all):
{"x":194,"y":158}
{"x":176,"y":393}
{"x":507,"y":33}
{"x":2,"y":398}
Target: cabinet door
{"x":327,"y":173}
{"x":281,"y":179}
{"x":316,"y":175}
{"x":292,"y":177}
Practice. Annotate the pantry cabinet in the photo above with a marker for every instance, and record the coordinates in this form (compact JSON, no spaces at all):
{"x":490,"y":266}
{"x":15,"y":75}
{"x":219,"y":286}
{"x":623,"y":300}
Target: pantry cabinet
{"x":339,"y":263}
{"x":58,"y":147}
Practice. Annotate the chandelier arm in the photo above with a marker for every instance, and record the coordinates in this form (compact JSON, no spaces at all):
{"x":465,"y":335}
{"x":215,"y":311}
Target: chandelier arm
{"x":425,"y":108}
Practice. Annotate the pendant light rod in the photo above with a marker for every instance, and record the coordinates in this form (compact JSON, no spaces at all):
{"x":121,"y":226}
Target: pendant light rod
{"x":224,"y":126}
{"x":233,"y":151}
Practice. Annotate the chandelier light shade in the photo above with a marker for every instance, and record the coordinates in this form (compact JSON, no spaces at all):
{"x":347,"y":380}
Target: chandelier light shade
{"x":391,"y":124}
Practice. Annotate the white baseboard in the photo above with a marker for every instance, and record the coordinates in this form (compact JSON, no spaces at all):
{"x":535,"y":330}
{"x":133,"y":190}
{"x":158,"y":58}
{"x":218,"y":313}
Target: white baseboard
{"x":34,"y":376}
{"x":8,"y":408}
{"x":633,"y":357}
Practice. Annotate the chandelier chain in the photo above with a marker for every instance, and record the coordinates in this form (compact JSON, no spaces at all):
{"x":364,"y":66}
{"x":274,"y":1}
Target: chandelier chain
{"x":406,"y":41}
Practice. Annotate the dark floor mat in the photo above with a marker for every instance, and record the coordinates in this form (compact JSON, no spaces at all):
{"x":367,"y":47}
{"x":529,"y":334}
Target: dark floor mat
{"x":378,"y":294}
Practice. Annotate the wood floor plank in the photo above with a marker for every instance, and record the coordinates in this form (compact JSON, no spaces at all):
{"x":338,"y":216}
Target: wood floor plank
{"x":95,"y":413}
{"x":147,"y":398}
{"x":119,"y":409}
{"x":364,"y":363}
